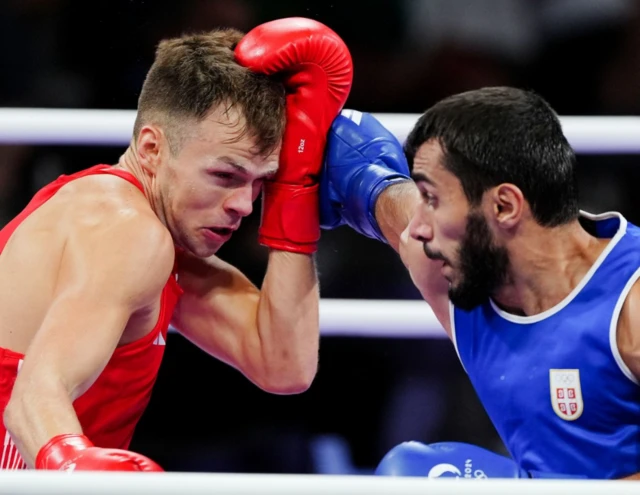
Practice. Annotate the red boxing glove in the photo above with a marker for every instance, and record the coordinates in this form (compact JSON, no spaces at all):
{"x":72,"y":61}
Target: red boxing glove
{"x":77,"y":453}
{"x":317,"y":71}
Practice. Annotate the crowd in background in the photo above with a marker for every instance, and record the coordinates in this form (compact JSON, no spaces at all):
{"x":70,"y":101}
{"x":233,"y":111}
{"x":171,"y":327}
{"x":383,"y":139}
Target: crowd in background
{"x":583,"y":56}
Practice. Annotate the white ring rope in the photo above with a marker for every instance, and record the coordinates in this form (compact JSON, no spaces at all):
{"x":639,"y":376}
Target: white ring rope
{"x":379,"y":318}
{"x":606,"y":135}
{"x":120,"y":483}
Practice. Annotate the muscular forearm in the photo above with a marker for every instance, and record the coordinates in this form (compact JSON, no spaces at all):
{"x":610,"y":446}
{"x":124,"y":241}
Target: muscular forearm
{"x":34,"y":415}
{"x":288,"y":322}
{"x":394,"y":210}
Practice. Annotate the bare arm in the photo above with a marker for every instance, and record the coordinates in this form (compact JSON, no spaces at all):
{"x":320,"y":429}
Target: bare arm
{"x":110,"y":269}
{"x":394,"y":210}
{"x":628,"y":338}
{"x":270,"y":335}
{"x":628,"y":334}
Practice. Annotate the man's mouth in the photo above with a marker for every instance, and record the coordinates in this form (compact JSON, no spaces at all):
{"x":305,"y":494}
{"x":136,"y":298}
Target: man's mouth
{"x":223,"y":231}
{"x":432,"y":255}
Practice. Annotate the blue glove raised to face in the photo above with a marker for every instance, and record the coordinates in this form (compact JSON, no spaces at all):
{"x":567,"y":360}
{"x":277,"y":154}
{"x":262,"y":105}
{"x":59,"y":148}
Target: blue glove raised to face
{"x":453,"y":460}
{"x":362,"y":159}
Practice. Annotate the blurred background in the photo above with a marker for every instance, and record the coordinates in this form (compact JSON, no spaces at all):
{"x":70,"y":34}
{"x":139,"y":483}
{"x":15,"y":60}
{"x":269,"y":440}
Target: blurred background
{"x":583,"y":56}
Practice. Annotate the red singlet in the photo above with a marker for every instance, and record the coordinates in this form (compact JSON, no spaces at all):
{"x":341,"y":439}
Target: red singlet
{"x":110,"y":409}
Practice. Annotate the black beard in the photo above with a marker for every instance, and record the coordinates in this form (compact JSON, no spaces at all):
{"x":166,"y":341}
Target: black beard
{"x":482,"y":265}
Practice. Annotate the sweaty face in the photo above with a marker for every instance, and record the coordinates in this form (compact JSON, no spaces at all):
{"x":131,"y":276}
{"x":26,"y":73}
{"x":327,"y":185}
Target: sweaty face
{"x":454,"y":234}
{"x":211,"y":184}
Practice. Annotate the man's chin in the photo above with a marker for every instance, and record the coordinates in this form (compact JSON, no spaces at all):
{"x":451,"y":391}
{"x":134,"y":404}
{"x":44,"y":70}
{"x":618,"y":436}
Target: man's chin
{"x":208,"y":251}
{"x":200,"y":250}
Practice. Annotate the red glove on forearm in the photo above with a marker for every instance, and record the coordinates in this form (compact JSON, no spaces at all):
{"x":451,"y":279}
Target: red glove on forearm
{"x":77,"y":453}
{"x":317,"y":72}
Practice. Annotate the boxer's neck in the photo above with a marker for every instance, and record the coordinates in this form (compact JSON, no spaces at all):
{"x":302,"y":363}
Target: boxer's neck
{"x":546,"y":264}
{"x":130,"y":163}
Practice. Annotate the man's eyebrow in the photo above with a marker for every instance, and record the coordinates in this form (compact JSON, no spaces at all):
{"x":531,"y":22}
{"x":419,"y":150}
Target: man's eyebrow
{"x":231,"y":162}
{"x":420,"y":177}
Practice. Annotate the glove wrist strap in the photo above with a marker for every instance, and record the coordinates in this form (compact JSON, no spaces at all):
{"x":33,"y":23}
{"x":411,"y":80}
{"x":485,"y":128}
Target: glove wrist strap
{"x":366,"y":188}
{"x":60,"y":450}
{"x":290,"y":217}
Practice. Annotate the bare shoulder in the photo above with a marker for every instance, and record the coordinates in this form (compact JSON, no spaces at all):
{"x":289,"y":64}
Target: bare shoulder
{"x":90,"y":195}
{"x":628,"y":331}
{"x":108,"y":223}
{"x":104,"y":203}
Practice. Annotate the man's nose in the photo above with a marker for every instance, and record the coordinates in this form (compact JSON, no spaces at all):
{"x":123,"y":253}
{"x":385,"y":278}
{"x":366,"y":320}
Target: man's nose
{"x":419,"y":229}
{"x":240,"y":200}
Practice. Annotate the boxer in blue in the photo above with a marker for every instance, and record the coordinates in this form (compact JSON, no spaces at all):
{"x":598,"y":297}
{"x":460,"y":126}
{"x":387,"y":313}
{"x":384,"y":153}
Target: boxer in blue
{"x":540,"y":299}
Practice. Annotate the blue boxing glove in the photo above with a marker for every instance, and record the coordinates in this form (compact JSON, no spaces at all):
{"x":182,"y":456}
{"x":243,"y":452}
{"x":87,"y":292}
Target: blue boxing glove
{"x":453,"y":460}
{"x":447,"y":460}
{"x":362,"y":159}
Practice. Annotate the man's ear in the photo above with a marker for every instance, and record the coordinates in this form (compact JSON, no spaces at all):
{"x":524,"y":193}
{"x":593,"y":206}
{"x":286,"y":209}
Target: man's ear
{"x":507,"y":205}
{"x":149,"y":148}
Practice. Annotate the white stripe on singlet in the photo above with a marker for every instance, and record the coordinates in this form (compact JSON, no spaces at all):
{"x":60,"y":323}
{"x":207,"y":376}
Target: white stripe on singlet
{"x":11,"y":458}
{"x":5,"y":448}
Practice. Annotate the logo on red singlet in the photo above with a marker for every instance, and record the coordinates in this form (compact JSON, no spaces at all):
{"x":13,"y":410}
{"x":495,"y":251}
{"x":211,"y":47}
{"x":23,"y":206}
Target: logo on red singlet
{"x":566,"y":393}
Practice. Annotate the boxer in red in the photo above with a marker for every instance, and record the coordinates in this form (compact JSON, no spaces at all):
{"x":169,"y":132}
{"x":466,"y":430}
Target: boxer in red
{"x":100,"y":263}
